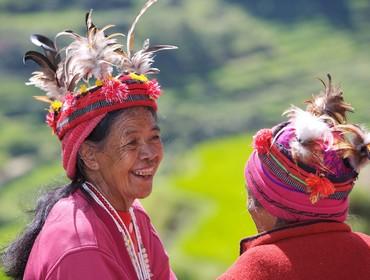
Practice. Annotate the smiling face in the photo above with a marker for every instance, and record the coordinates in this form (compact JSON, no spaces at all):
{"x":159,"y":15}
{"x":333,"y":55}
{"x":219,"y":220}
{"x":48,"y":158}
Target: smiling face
{"x":123,"y":165}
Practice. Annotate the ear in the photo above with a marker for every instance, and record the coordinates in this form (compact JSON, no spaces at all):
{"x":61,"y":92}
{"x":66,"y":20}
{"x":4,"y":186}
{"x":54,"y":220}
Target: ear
{"x":87,"y":152}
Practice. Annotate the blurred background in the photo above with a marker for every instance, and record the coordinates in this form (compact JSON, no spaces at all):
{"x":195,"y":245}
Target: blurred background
{"x":240,"y":64}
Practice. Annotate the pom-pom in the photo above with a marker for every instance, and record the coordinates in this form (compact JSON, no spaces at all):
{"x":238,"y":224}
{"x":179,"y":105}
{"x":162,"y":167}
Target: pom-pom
{"x":319,"y":186}
{"x":114,"y":90}
{"x":69,"y":100}
{"x":262,"y":141}
{"x":154,"y":89}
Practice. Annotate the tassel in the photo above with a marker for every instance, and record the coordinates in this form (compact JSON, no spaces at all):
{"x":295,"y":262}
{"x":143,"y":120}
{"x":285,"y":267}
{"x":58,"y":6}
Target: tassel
{"x":319,"y":186}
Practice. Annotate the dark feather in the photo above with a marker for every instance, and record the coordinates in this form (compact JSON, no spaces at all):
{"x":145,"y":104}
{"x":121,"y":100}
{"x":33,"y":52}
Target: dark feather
{"x":40,"y":59}
{"x":158,"y":48}
{"x":88,"y":20}
{"x":356,"y":145}
{"x":73,"y":82}
{"x":329,"y":102}
{"x":43,"y":42}
{"x":48,"y":46}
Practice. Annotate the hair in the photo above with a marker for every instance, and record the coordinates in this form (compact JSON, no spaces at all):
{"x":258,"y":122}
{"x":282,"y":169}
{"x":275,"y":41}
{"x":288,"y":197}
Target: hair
{"x":15,"y":256}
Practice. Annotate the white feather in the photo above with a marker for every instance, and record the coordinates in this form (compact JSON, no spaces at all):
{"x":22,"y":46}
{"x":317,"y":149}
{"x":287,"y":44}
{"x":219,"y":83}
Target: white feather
{"x":45,"y":83}
{"x":309,"y":127}
{"x":91,"y":56}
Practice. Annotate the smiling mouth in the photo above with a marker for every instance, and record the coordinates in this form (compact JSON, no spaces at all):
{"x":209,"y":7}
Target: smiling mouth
{"x":145,"y":172}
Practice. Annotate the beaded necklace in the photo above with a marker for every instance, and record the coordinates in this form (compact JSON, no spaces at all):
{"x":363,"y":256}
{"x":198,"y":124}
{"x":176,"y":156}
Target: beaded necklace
{"x":139,"y":259}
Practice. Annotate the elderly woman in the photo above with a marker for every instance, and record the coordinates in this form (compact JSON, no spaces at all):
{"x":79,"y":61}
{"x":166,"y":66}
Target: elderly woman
{"x":298,"y":180}
{"x":95,"y":228}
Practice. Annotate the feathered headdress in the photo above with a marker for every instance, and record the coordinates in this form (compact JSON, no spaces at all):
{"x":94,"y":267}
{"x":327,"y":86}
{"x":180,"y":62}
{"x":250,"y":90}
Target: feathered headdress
{"x":324,"y":153}
{"x":94,"y":73}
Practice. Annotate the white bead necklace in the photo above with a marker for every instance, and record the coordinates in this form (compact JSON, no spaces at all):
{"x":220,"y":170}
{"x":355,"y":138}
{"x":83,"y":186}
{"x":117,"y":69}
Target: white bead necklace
{"x":139,"y":259}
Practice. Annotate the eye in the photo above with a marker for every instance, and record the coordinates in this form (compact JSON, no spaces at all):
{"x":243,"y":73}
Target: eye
{"x":131,"y":143}
{"x":156,"y":137}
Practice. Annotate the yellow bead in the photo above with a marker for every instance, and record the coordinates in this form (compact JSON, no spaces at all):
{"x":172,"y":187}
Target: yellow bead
{"x":141,"y":77}
{"x":83,"y":88}
{"x":99,"y":83}
{"x":56,"y":105}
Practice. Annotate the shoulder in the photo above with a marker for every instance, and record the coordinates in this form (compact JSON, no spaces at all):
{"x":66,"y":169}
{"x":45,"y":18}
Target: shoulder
{"x":268,"y":255}
{"x":362,"y":236}
{"x":263,"y":262}
{"x":74,"y":220}
{"x":71,"y":226}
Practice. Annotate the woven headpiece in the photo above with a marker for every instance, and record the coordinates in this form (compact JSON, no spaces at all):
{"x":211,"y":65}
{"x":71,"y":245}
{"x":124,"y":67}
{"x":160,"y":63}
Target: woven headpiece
{"x":306,"y":167}
{"x":90,"y":77}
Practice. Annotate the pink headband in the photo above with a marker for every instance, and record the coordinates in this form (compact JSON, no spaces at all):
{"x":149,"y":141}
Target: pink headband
{"x":285,"y":202}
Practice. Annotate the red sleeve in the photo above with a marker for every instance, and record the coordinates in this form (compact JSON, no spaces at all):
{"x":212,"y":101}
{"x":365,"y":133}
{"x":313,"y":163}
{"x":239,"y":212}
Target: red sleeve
{"x":86,"y":263}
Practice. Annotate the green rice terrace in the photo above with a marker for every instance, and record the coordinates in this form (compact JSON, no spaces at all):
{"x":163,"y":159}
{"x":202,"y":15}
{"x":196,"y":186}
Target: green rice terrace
{"x":238,"y":67}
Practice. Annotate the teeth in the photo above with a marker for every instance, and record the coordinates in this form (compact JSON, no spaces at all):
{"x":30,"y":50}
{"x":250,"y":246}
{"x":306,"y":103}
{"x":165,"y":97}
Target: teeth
{"x":144,"y":172}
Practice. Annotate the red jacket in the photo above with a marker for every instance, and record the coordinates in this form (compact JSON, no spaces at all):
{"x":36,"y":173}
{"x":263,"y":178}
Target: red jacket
{"x":310,"y":251}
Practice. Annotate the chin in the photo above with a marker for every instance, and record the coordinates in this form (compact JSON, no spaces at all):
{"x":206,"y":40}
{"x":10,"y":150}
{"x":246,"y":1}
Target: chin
{"x":145,"y":191}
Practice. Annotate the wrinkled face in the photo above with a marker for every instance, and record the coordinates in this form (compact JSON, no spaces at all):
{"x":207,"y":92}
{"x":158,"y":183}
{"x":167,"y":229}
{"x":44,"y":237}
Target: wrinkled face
{"x":128,"y":158}
{"x":263,"y":220}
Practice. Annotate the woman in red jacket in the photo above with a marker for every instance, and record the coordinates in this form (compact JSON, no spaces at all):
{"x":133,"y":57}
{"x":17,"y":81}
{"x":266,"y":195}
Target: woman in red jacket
{"x":298,"y":180}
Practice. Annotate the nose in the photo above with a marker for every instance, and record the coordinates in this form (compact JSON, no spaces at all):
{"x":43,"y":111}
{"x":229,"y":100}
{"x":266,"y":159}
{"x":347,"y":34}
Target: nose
{"x":148,"y":152}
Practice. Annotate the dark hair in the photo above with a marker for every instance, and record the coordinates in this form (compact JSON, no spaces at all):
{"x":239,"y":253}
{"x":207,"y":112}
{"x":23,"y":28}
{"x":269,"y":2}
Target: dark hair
{"x":15,"y":256}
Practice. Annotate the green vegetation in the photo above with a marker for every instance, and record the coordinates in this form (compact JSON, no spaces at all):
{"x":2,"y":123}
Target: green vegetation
{"x":239,"y":65}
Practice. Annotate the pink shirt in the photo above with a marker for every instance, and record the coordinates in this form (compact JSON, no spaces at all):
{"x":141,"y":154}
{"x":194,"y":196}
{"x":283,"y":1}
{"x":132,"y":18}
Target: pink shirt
{"x":80,"y":241}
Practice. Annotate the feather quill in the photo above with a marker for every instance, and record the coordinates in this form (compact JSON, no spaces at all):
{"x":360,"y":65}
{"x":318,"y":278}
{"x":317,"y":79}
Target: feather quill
{"x":141,"y":61}
{"x":131,"y":32}
{"x":46,"y":79}
{"x":48,"y":47}
{"x":329,"y":102}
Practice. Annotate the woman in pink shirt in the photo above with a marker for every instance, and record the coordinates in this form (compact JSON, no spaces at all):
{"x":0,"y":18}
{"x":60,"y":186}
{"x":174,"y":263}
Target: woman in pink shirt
{"x":94,"y":227}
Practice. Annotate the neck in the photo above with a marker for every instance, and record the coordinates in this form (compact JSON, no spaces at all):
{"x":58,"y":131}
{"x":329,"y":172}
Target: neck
{"x":118,"y":202}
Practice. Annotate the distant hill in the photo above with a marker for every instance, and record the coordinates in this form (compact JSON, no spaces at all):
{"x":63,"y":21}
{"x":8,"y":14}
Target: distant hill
{"x":237,"y":67}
